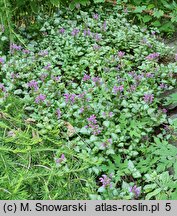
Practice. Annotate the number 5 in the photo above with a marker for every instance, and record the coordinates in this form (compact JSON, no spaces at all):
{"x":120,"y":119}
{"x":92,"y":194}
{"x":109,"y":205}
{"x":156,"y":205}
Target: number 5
{"x":168,"y":207}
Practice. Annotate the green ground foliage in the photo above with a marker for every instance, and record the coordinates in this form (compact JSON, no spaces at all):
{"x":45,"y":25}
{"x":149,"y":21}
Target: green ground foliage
{"x":81,"y":110}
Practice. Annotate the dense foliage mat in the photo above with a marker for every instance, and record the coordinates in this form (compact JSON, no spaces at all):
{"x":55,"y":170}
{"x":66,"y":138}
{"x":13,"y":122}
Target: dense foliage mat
{"x":81,"y":114}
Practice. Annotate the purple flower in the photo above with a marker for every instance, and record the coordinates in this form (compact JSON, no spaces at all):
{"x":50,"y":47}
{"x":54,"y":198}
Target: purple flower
{"x":152,"y":56}
{"x":75,"y":32}
{"x":86,"y":77}
{"x":43,"y":76}
{"x":104,"y":25}
{"x":118,"y":67}
{"x":148,"y":98}
{"x":1,"y":60}
{"x":47,"y":67}
{"x":149,"y":75}
{"x":175,"y":57}
{"x":81,"y":95}
{"x":69,"y":97}
{"x":132,"y":88}
{"x":110,"y":114}
{"x":95,"y":16}
{"x":153,"y":32}
{"x":121,"y":54}
{"x":106,"y":181}
{"x":2,"y":87}
{"x":138,"y":77}
{"x":81,"y":110}
{"x":163,"y":86}
{"x":62,"y":30}
{"x":104,"y":114}
{"x":92,"y":119}
{"x":136,"y":190}
{"x":126,"y":10}
{"x":93,"y":125}
{"x":132,"y":73}
{"x":14,"y":76}
{"x":166,"y":127}
{"x":25,"y":51}
{"x":107,"y":143}
{"x":58,"y":112}
{"x":96,"y":47}
{"x":61,"y":159}
{"x":40,"y":98}
{"x":97,"y":37}
{"x":15,"y":47}
{"x":33,"y":84}
{"x":43,"y":53}
{"x":164,"y":110}
{"x":56,"y":78}
{"x":96,"y":80}
{"x":118,"y":89}
{"x":87,"y":32}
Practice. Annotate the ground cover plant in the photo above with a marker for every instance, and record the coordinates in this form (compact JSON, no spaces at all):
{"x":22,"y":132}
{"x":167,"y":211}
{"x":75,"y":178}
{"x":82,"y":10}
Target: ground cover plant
{"x":81,"y":111}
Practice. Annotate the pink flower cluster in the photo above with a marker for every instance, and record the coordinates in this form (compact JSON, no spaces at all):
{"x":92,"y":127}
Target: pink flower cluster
{"x":87,"y":32}
{"x":40,"y":98}
{"x":152,"y":56}
{"x":148,"y":98}
{"x":61,"y":159}
{"x":95,"y":16}
{"x":2,"y":87}
{"x":58,"y":112}
{"x":33,"y":84}
{"x":93,"y":125}
{"x":75,"y":32}
{"x":118,"y":89}
{"x":106,"y":181}
{"x":1,"y":60}
{"x":121,"y":54}
{"x":86,"y":77}
{"x":136,"y":190}
{"x":15,"y":47}
{"x":106,"y":143}
{"x":69,"y":97}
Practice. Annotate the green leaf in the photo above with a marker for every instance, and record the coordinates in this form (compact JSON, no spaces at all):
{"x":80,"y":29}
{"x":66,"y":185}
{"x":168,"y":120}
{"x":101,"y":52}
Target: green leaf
{"x":106,"y":123}
{"x":146,"y":18}
{"x":156,"y":23}
{"x":152,"y":194}
{"x":93,"y":138}
{"x":3,"y":125}
{"x":95,"y":197}
{"x":84,"y":131}
{"x":149,"y":187}
{"x":110,"y":151}
{"x":136,"y":174}
{"x":34,"y":6}
{"x":174,"y":196}
{"x":150,"y":6}
{"x":139,"y":9}
{"x":114,"y":136}
{"x":175,"y":169}
{"x":101,"y":189}
{"x":158,"y":13}
{"x":167,"y":27}
{"x":18,"y":91}
{"x":99,"y":1}
{"x":55,"y":2}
